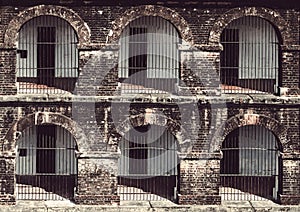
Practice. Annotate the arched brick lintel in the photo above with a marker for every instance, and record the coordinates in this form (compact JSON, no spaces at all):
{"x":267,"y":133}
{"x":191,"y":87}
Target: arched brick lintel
{"x":151,"y":10}
{"x":41,"y":118}
{"x":238,"y":121}
{"x":183,"y":139}
{"x":81,"y":28}
{"x":272,"y":16}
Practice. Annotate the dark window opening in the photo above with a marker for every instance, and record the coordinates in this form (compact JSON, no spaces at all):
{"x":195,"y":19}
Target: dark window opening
{"x":149,"y":56}
{"x":22,"y":152}
{"x":138,"y":150}
{"x":230,"y":149}
{"x":249,"y":62}
{"x":230,"y":57}
{"x":46,"y":55}
{"x":250,"y":167}
{"x":138,"y":155}
{"x":137,"y":55}
{"x":23,"y":53}
{"x":47,"y":59}
{"x":46,"y":143}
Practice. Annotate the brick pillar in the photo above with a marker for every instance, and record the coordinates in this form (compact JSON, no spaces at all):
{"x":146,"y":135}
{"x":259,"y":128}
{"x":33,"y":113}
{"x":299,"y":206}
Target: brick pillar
{"x":97,"y":179}
{"x":7,"y":180}
{"x":8,"y":72}
{"x":291,"y":180}
{"x":200,"y":72}
{"x":199,"y":180}
{"x":98,"y":72}
{"x":290,"y":72}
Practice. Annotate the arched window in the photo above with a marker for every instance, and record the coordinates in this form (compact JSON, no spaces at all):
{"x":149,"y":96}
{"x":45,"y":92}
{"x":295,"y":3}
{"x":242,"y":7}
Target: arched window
{"x":46,"y":165}
{"x":47,"y":56}
{"x":250,"y":167}
{"x":149,"y":59}
{"x":250,"y":58}
{"x":148,"y":164}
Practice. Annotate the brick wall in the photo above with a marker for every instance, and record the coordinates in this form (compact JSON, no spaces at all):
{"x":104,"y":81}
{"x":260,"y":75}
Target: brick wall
{"x":200,"y":70}
{"x":199,"y":181}
{"x":7,"y":179}
{"x":98,"y":73}
{"x":7,"y":13}
{"x":104,"y":117}
{"x":97,"y":181}
{"x":7,"y":72}
{"x":290,"y":63}
{"x":202,"y":24}
{"x":290,"y":181}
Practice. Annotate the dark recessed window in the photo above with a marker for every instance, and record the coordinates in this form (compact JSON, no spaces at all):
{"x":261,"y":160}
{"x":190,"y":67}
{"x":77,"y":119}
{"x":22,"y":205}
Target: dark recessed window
{"x":23,"y":53}
{"x":22,"y":152}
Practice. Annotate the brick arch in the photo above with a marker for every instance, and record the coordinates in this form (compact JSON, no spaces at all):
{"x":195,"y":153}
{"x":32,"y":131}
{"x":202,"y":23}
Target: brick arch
{"x":41,"y":118}
{"x":241,"y":120}
{"x":270,"y":15}
{"x":184,"y":142}
{"x":151,"y":10}
{"x":80,"y":27}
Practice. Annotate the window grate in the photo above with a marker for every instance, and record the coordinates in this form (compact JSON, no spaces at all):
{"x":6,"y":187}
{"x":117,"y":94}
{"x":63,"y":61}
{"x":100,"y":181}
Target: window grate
{"x":47,"y":57}
{"x":250,"y":57}
{"x":250,"y":165}
{"x":148,"y":165}
{"x":46,"y":166}
{"x":149,"y":58}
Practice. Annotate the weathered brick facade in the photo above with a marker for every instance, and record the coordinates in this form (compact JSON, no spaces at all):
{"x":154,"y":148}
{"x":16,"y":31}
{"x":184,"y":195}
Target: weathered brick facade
{"x":199,"y":116}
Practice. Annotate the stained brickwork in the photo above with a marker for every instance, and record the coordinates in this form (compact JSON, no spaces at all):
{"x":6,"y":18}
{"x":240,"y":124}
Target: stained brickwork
{"x":290,"y":61}
{"x":98,"y":115}
{"x":97,"y":181}
{"x":39,"y":118}
{"x":271,"y":15}
{"x":10,"y":35}
{"x":7,"y":72}
{"x":200,"y":72}
{"x":199,"y":181}
{"x":98,"y":72}
{"x":7,"y":180}
{"x":149,"y":10}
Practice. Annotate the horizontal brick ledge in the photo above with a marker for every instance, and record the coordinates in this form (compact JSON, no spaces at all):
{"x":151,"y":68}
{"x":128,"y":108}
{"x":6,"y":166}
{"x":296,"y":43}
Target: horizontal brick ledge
{"x":199,"y":199}
{"x":97,"y":199}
